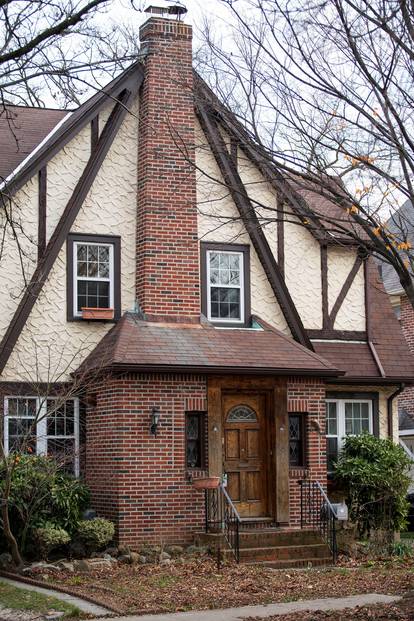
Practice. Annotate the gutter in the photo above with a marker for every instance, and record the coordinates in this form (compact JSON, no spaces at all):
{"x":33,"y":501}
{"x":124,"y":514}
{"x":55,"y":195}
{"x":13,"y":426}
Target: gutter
{"x":390,"y":400}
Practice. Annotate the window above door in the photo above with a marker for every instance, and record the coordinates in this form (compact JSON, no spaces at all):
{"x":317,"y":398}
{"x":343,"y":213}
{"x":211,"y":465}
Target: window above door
{"x":93,"y":275}
{"x":225,"y":284}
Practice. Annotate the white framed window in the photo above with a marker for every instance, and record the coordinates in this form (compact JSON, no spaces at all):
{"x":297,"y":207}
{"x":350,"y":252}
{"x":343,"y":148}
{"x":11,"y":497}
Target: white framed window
{"x":43,"y":426}
{"x":93,"y":276}
{"x":345,"y":417}
{"x":225,"y":286}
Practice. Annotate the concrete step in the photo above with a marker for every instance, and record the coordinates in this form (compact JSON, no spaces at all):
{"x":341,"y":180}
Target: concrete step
{"x":292,"y":564}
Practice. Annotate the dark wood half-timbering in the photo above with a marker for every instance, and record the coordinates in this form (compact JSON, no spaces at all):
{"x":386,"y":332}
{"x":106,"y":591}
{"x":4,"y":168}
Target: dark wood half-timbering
{"x":41,"y":227}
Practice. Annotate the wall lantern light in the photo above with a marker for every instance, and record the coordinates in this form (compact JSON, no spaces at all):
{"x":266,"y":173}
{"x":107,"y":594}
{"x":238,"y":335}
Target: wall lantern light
{"x":155,"y":420}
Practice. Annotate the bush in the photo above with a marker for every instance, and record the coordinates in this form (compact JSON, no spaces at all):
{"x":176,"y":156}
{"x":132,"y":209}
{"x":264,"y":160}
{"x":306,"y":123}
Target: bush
{"x":42,"y":493}
{"x":49,"y":537}
{"x":96,"y":533}
{"x":373,"y":473}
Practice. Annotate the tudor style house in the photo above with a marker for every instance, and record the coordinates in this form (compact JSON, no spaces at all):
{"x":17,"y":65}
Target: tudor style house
{"x":203,"y":343}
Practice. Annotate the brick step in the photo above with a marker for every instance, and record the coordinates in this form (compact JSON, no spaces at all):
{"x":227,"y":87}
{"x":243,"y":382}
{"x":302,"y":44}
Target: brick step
{"x":292,"y":564}
{"x":265,"y":538}
{"x":282,"y":552}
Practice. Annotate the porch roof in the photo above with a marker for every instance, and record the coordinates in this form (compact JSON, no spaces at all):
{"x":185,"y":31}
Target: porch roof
{"x":136,"y":344}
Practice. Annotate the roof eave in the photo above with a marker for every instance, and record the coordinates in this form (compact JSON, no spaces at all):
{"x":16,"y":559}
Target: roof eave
{"x":209,"y":370}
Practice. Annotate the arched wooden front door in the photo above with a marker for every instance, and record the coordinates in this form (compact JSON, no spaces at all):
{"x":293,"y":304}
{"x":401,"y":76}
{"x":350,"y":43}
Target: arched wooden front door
{"x":244,"y":452}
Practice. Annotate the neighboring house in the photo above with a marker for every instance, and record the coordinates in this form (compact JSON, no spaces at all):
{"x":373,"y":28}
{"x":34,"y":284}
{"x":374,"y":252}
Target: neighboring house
{"x":241,"y":347}
{"x":401,"y":223}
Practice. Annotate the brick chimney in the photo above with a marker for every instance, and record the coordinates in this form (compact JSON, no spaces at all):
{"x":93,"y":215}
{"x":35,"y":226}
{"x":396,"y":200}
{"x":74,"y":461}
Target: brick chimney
{"x":167,"y":272}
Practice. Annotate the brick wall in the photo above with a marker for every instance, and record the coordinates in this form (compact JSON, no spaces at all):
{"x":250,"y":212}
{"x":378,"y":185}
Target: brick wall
{"x":141,"y":481}
{"x":138,"y":480}
{"x":308,"y":395}
{"x":167,"y":275}
{"x":406,"y":399}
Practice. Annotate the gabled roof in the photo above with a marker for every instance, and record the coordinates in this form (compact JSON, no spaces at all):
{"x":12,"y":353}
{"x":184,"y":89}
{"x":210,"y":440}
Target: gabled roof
{"x":21,"y":130}
{"x":401,"y":222}
{"x":136,"y":344}
{"x":59,"y":136}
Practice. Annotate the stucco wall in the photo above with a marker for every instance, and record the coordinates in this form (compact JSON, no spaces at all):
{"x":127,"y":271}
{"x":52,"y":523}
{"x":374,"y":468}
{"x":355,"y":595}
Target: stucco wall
{"x":63,"y":172}
{"x":351,"y":315}
{"x":219,"y":221}
{"x":18,"y":254}
{"x":57,"y":346}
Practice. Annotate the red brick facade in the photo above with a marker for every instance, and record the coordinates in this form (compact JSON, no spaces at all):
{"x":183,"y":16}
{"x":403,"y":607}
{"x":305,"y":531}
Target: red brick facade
{"x":141,"y":481}
{"x":138,"y":480}
{"x":406,"y":399}
{"x":308,"y":395}
{"x":167,"y":276}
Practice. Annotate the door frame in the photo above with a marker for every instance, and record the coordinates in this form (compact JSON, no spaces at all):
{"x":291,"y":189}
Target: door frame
{"x":275,"y":389}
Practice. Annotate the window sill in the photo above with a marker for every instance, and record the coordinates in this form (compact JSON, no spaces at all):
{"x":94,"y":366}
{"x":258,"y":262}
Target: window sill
{"x":298,"y":472}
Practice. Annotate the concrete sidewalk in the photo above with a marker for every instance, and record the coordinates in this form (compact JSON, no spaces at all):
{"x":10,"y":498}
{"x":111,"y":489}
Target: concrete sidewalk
{"x":92,"y":609}
{"x":235,"y":614}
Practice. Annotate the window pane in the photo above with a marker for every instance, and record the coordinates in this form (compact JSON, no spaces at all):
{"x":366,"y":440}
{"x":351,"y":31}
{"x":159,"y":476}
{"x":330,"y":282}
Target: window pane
{"x":214,"y":277}
{"x":103,"y":270}
{"x":82,"y":252}
{"x":63,"y":451}
{"x":331,"y":419}
{"x":92,"y":269}
{"x":93,"y":294}
{"x":224,"y":261}
{"x":214,"y":260}
{"x":356,"y":418}
{"x":82,"y":269}
{"x":103,"y":254}
{"x":92,"y":254}
{"x":21,"y":435}
{"x":331,"y":452}
{"x":194,"y":439}
{"x":295,"y":440}
{"x":234,"y":262}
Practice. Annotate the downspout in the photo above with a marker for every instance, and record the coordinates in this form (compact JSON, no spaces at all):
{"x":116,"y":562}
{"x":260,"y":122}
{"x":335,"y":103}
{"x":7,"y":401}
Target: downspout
{"x":390,"y":400}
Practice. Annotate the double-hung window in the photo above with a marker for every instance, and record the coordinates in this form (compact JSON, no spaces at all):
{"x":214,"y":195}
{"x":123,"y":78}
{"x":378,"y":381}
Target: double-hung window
{"x":93,"y":275}
{"x":43,"y":426}
{"x":225,"y":283}
{"x":345,"y":417}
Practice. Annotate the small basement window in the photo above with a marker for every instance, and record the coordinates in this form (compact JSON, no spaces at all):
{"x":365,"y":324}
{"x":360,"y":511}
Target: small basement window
{"x":93,"y":277}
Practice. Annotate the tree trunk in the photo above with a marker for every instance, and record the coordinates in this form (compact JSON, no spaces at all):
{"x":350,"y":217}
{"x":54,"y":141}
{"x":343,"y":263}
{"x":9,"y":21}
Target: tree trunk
{"x":11,"y":540}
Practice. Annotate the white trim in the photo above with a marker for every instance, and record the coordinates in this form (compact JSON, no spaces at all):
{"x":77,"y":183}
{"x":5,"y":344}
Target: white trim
{"x":230,"y":320}
{"x":406,"y":432}
{"x":41,"y":425}
{"x":340,"y":419}
{"x":76,"y":278}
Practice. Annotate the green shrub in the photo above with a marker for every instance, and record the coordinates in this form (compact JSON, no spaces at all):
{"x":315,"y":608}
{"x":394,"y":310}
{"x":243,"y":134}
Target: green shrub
{"x":96,"y":533}
{"x":373,"y":473}
{"x":49,"y":537}
{"x":42,"y":493}
{"x":401,"y":549}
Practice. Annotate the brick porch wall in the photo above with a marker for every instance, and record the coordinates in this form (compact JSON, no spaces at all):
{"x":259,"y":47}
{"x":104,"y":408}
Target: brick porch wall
{"x":308,"y":396}
{"x":137,"y":480}
{"x":406,"y":399}
{"x":141,"y":482}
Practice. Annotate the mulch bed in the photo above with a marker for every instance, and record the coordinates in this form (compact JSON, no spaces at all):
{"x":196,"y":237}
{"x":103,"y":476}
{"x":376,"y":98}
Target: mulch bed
{"x":197,"y":585}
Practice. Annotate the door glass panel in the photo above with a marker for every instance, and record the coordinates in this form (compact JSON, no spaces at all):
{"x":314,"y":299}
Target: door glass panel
{"x":241,"y":414}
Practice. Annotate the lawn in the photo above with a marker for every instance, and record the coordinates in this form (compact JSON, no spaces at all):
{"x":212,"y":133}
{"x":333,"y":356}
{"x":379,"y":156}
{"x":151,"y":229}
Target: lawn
{"x":20,"y":599}
{"x":196,"y":584}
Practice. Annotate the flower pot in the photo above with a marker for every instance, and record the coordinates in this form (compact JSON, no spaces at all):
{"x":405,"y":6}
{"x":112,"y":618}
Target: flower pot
{"x":97,"y":313}
{"x":206,"y":483}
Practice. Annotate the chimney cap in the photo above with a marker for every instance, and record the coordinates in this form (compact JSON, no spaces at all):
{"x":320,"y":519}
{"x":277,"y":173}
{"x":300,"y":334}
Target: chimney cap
{"x":166,"y":7}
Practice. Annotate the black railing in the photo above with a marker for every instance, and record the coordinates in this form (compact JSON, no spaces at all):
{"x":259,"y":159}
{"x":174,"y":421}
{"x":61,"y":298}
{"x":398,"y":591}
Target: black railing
{"x":317,"y":512}
{"x":222,"y":518}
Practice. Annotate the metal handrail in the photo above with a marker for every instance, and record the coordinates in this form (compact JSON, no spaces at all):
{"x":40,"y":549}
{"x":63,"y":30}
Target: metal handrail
{"x":317,"y":511}
{"x":221,"y":516}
